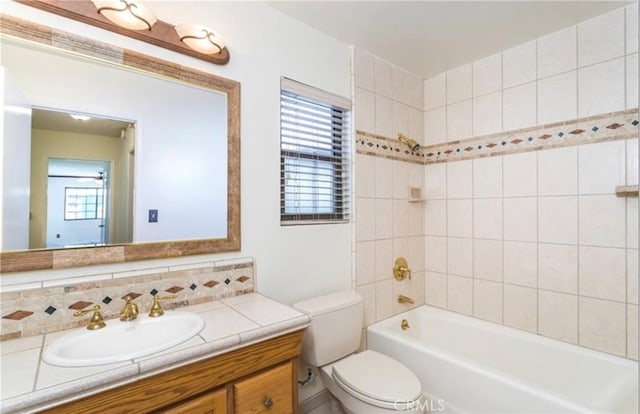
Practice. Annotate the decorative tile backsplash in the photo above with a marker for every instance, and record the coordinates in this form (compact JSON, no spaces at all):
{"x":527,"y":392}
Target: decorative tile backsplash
{"x":606,"y":127}
{"x":50,"y":309}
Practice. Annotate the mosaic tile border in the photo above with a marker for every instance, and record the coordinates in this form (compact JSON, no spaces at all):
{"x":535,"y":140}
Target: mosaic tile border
{"x":49,"y":309}
{"x":606,"y":127}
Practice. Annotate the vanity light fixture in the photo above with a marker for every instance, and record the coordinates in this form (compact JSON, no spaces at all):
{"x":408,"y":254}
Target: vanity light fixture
{"x":411,"y":143}
{"x":126,"y":13}
{"x":201,"y":38}
{"x":79,"y":117}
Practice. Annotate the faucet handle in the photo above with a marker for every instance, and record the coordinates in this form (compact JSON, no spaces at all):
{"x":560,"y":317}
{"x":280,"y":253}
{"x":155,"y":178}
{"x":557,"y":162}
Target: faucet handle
{"x":401,"y":269}
{"x":156,"y":309}
{"x":130,"y":310}
{"x":96,"y":321}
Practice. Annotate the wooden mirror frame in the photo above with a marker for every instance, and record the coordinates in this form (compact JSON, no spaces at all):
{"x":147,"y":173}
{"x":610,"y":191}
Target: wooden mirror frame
{"x":26,"y":260}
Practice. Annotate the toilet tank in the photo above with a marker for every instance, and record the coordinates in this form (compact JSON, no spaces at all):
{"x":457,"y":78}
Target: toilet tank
{"x":335,"y":328}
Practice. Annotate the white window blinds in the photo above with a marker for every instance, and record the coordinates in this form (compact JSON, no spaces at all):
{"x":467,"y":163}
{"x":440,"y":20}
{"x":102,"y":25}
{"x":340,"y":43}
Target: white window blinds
{"x":314,"y":155}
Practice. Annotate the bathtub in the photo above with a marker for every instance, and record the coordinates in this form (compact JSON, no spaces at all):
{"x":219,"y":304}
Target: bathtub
{"x":469,"y":365}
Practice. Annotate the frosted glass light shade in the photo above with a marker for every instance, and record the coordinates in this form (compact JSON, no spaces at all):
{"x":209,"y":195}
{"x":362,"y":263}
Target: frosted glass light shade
{"x":201,"y":38}
{"x":127,"y":14}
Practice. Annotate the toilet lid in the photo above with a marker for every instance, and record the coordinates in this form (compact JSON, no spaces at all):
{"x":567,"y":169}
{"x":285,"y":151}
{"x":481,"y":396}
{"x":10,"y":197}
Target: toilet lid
{"x":377,"y":377}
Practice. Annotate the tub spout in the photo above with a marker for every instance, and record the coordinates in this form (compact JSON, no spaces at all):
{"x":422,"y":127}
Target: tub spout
{"x":405,"y":299}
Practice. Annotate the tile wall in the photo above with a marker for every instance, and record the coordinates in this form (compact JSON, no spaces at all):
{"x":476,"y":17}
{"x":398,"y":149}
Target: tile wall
{"x":538,"y":240}
{"x":388,"y":100}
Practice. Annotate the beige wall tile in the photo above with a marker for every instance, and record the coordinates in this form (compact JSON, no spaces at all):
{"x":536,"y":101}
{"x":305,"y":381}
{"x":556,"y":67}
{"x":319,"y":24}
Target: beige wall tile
{"x":400,"y":174}
{"x":487,"y":75}
{"x":460,"y":294}
{"x":558,"y":171}
{"x":384,"y":116}
{"x":435,"y":126}
{"x":603,"y":325}
{"x":459,"y":218}
{"x":558,"y":268}
{"x":416,"y":125}
{"x":384,"y":218}
{"x":400,"y":119}
{"x":601,"y":88}
{"x":460,"y":256}
{"x":521,"y":219}
{"x":487,"y":177}
{"x":632,"y":223}
{"x":602,"y":273}
{"x":521,"y":307}
{"x":487,"y":114}
{"x":487,"y":300}
{"x":383,"y":82}
{"x":365,"y":219}
{"x":368,"y":293}
{"x":557,"y":98}
{"x":459,"y":179}
{"x":558,"y":220}
{"x":632,"y":81}
{"x":521,"y":263}
{"x":632,"y":161}
{"x":435,"y":218}
{"x":519,"y":65}
{"x":384,"y":259}
{"x":384,"y":178}
{"x":435,"y":181}
{"x":435,"y":92}
{"x":557,"y":52}
{"x":632,"y":276}
{"x":632,"y":332}
{"x":558,"y":316}
{"x":601,"y":167}
{"x":435,"y":254}
{"x":487,"y":260}
{"x":459,"y":84}
{"x":365,"y":262}
{"x":416,"y":219}
{"x":399,"y":85}
{"x":384,"y":300}
{"x":435,"y":289}
{"x":365,"y":176}
{"x":519,"y":108}
{"x":601,"y":38}
{"x":631,"y":12}
{"x":487,"y":218}
{"x":598,"y":229}
{"x":364,"y":71}
{"x":365,"y":110}
{"x":459,"y":120}
{"x":416,"y":92}
{"x":519,"y":174}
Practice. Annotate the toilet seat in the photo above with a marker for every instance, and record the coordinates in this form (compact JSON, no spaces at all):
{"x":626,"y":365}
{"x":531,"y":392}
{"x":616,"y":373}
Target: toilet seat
{"x":377,"y":380}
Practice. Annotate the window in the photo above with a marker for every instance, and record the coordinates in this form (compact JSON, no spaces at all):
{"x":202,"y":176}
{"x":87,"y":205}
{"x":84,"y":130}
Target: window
{"x":314,"y":155}
{"x":82,"y":203}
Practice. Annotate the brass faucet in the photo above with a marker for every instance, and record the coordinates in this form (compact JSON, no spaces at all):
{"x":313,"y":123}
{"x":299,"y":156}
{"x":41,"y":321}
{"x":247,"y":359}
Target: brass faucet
{"x":405,"y":299}
{"x":156,"y":309}
{"x":404,"y":324}
{"x":401,"y":269}
{"x":130,"y":310}
{"x":96,"y":321}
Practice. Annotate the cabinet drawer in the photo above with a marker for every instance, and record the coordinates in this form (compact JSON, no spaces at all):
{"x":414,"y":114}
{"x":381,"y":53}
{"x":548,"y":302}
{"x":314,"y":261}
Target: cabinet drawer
{"x":211,"y":403}
{"x":270,"y":392}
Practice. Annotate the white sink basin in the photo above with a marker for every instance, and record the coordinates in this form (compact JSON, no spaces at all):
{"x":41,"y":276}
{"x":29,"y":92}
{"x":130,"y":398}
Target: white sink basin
{"x":122,"y":341}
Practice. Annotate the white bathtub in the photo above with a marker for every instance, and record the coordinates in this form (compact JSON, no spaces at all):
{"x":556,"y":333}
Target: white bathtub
{"x":469,"y":365}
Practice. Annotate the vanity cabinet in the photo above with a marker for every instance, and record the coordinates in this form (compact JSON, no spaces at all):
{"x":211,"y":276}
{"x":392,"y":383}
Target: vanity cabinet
{"x":258,"y":378}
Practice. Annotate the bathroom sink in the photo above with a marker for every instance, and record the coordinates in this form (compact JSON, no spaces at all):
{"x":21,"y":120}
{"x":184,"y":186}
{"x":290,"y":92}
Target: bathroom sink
{"x":122,"y":341}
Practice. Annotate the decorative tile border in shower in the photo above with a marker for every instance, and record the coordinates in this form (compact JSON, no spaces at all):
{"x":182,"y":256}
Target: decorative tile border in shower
{"x":380,"y":146}
{"x":50,"y":308}
{"x":606,"y":127}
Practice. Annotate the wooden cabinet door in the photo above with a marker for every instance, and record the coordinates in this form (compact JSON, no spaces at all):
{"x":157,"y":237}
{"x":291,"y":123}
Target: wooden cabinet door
{"x":268,"y":393}
{"x":214,"y":402}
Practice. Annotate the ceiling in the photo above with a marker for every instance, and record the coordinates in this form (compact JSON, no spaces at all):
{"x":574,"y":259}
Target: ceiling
{"x":430,"y":37}
{"x":62,"y":121}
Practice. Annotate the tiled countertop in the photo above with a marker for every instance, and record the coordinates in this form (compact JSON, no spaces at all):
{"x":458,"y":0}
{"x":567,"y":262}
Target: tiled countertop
{"x":29,"y":384}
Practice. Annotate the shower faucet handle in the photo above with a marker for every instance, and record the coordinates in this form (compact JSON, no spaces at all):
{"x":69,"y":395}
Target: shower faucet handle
{"x":401,"y":269}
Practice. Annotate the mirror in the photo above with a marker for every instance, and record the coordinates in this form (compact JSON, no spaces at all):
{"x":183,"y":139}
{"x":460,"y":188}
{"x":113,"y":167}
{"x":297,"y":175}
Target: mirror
{"x":182,"y":132}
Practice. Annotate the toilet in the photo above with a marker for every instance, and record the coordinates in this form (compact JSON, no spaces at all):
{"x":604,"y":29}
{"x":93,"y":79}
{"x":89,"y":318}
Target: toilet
{"x":364,"y":383}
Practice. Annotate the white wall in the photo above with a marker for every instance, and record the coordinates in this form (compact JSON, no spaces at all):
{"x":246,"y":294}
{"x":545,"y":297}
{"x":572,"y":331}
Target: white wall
{"x":14,"y":174}
{"x":292,"y":262}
